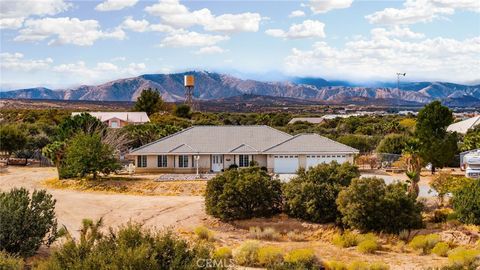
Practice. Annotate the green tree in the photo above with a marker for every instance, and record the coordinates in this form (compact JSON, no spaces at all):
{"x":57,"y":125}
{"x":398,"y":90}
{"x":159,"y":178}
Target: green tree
{"x":466,"y":202}
{"x":149,"y":101}
{"x":437,"y":146}
{"x":86,"y":154}
{"x":312,"y":194}
{"x":414,"y":162}
{"x":363,"y":143}
{"x":139,"y":135}
{"x":182,"y":111}
{"x":368,"y":204}
{"x":11,"y":139}
{"x":243,"y":193}
{"x":83,"y":122}
{"x":26,"y":222}
{"x":392,"y":144}
{"x":471,"y":140}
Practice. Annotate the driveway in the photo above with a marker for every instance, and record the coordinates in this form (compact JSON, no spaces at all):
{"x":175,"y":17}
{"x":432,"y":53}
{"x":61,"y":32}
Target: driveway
{"x":115,"y":209}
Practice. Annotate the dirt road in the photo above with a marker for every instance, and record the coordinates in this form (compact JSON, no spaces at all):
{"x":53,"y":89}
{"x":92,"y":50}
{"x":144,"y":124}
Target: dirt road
{"x":115,"y":209}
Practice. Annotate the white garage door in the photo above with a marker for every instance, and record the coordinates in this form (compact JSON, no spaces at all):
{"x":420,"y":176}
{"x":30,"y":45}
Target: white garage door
{"x":314,"y":160}
{"x":285,"y":164}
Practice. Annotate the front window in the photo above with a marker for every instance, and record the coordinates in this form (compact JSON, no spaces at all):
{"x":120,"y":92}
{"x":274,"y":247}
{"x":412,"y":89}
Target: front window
{"x":243,"y":160}
{"x":114,"y":124}
{"x":183,"y":161}
{"x":162,"y":161}
{"x":142,"y":161}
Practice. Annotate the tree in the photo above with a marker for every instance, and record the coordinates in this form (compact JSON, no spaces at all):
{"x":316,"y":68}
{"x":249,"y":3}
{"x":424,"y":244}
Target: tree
{"x":312,"y":194}
{"x":392,"y":144}
{"x":413,"y":162}
{"x":368,"y":204}
{"x":139,"y":135}
{"x":86,"y":154}
{"x":26,"y":222}
{"x":361,"y":142}
{"x":243,"y":193}
{"x":466,"y":202}
{"x":437,"y":146}
{"x":182,"y":111}
{"x":471,"y":140}
{"x":11,"y":139}
{"x":149,"y":101}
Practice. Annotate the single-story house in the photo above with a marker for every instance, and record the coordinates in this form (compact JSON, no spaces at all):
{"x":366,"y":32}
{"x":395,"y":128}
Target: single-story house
{"x":464,"y":126}
{"x":215,"y":148}
{"x":119,"y":119}
{"x":312,"y":120}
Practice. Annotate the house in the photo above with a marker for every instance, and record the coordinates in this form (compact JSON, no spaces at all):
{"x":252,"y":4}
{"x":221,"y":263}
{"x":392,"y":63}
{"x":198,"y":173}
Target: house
{"x":465,"y":125}
{"x":216,"y":148}
{"x":312,"y":120}
{"x":119,"y":119}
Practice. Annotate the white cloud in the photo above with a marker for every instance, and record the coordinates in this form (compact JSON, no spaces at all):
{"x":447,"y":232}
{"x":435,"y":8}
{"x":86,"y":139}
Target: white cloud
{"x":296,"y":13}
{"x":421,"y":11}
{"x":323,"y":6}
{"x":101,"y":71}
{"x":210,"y":50}
{"x":66,"y":31}
{"x":143,"y":26}
{"x":175,"y":14}
{"x":306,"y":29}
{"x":16,"y":62}
{"x":395,"y":31}
{"x":191,"y":39}
{"x":13,"y":13}
{"x":381,"y":58}
{"x":109,"y":5}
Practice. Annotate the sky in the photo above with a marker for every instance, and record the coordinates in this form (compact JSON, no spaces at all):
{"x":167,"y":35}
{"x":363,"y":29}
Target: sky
{"x":61,"y":43}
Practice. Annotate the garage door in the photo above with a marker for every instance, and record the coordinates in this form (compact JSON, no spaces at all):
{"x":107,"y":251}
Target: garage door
{"x":285,"y":164}
{"x":314,"y":160}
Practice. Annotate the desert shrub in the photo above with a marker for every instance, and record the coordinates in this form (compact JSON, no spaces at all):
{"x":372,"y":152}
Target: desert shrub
{"x":10,"y":262}
{"x":466,"y":203}
{"x":378,"y":266}
{"x":356,"y":265}
{"x":301,"y":257}
{"x":203,"y":233}
{"x":247,"y":253}
{"x":269,"y":256}
{"x":425,"y":243}
{"x":311,"y":195}
{"x":244,"y":193}
{"x":368,"y":246}
{"x":466,"y":258}
{"x":26,"y":222}
{"x":404,"y":235}
{"x":345,"y":240}
{"x":265,"y":234}
{"x":444,"y":183}
{"x":222,"y":253}
{"x":130,"y":247}
{"x":295,"y":236}
{"x":335,"y":265}
{"x":368,"y":204}
{"x":441,"y":215}
{"x":441,"y":249}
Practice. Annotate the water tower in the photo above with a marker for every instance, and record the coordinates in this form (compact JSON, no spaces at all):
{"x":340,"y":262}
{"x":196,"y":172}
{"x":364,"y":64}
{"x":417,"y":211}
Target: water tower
{"x":189,"y":83}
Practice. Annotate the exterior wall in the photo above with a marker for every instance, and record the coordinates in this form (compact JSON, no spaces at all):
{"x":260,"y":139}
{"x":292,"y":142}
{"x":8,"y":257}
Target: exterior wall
{"x":172,"y":165}
{"x":228,"y":160}
{"x":261,"y":160}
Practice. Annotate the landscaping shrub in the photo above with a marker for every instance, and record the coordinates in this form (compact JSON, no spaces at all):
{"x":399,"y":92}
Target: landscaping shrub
{"x":311,"y":195}
{"x":265,"y":234}
{"x":441,"y":249}
{"x":26,"y":222}
{"x":425,"y":243}
{"x":465,"y":258}
{"x":301,"y":257}
{"x":444,"y":183}
{"x":247,"y":253}
{"x":244,"y":193}
{"x":128,"y":248}
{"x":203,"y":233}
{"x":368,"y":246}
{"x":10,"y":262}
{"x":368,"y":204}
{"x":466,"y":203}
{"x":269,"y":256}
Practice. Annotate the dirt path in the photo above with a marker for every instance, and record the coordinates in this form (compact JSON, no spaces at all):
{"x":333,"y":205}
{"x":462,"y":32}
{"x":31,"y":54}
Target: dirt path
{"x":115,"y":209}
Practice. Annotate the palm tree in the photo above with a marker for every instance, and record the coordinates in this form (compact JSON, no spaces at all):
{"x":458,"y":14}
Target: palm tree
{"x":411,"y":154}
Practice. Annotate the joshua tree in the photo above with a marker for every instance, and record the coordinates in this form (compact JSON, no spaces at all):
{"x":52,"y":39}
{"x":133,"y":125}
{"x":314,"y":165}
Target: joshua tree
{"x":411,"y":154}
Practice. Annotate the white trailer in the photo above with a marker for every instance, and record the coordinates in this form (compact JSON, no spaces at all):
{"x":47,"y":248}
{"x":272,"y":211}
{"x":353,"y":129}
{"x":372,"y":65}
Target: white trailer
{"x":472,"y":164}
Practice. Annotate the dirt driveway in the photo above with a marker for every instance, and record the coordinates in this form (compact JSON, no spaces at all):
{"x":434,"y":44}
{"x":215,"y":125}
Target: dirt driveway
{"x":116,"y":209}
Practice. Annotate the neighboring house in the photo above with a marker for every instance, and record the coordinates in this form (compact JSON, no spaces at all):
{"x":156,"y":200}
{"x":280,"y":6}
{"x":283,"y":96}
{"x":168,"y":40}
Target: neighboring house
{"x":119,"y":119}
{"x":215,"y":148}
{"x":465,"y":125}
{"x":312,"y":120}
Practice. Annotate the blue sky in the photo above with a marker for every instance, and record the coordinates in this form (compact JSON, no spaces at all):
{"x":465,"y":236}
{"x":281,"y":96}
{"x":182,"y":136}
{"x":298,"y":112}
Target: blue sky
{"x":61,"y":43}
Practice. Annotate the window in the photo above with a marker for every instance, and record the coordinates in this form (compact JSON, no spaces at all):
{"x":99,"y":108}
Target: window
{"x":183,"y":161}
{"x":114,"y":124}
{"x":141,"y":161}
{"x":162,"y":161}
{"x":243,"y":160}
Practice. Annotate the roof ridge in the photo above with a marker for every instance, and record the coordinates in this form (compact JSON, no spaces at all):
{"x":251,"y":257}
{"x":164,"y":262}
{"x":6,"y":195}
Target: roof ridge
{"x":161,"y":139}
{"x":244,"y":144}
{"x":280,"y":143}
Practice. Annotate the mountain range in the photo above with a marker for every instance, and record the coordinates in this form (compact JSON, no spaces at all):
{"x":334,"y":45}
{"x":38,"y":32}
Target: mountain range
{"x":216,"y":86}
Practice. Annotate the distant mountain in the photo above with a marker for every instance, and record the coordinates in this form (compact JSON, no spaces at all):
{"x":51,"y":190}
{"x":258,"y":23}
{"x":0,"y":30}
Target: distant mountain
{"x":216,"y":86}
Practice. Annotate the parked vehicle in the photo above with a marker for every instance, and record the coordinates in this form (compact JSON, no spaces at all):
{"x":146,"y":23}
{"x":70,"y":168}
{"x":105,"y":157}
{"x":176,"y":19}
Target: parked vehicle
{"x":472,"y":164}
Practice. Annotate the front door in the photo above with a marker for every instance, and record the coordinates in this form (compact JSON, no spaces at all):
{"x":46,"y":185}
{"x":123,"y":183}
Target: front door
{"x":217,"y":163}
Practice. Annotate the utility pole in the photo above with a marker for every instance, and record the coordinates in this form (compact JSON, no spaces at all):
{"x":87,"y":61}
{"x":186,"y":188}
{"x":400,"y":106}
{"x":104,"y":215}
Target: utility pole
{"x":398,"y":87}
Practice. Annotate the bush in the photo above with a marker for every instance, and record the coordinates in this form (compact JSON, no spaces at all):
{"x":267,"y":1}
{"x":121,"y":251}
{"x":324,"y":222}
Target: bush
{"x":295,"y":236}
{"x":10,"y":262}
{"x":241,"y":194}
{"x":425,"y":243}
{"x":368,"y":246}
{"x":304,"y":257}
{"x":128,"y":248}
{"x":392,"y":144}
{"x":203,"y":233}
{"x":445,"y":183}
{"x":270,"y":256}
{"x":441,"y":249}
{"x":368,"y":204}
{"x":265,"y":234}
{"x":345,"y":240}
{"x":356,"y":265}
{"x":466,"y":203}
{"x":311,"y":195}
{"x":466,"y":258}
{"x":247,"y":253}
{"x":26,"y":222}
{"x":223,"y":253}
{"x":335,"y":265}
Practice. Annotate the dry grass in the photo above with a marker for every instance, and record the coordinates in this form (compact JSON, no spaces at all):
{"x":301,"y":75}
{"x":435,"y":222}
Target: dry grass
{"x":126,"y":185}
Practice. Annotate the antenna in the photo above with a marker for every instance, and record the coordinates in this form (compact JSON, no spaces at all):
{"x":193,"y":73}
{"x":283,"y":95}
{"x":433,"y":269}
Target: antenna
{"x":189,"y":82}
